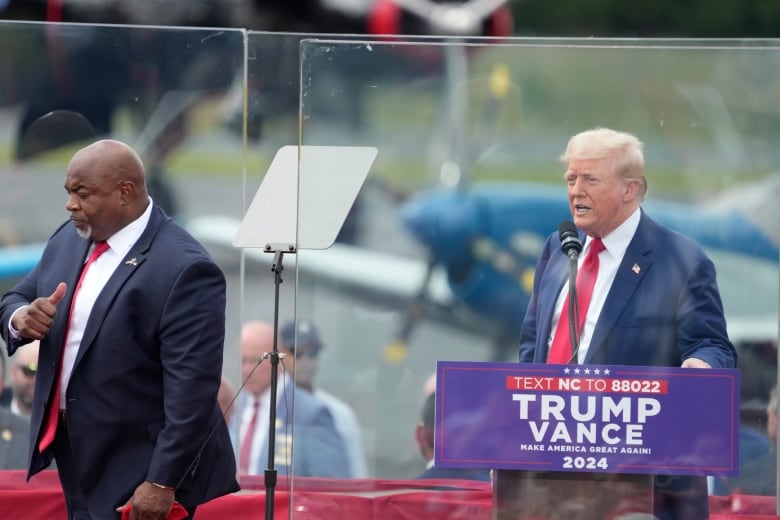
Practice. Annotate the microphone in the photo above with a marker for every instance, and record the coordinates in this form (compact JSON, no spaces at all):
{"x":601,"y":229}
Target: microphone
{"x":570,"y":241}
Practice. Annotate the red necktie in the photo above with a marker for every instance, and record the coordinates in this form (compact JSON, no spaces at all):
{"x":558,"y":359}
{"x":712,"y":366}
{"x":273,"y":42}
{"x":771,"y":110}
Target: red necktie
{"x":50,"y":427}
{"x":561,"y":350}
{"x":246,"y":443}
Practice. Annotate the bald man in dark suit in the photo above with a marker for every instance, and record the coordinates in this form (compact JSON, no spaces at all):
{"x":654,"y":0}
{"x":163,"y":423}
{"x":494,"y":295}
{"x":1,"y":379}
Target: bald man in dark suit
{"x":14,"y":435}
{"x":130,"y":367}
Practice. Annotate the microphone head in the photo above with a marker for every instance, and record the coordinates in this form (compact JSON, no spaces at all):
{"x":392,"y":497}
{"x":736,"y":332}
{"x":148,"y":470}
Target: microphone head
{"x":570,"y":240}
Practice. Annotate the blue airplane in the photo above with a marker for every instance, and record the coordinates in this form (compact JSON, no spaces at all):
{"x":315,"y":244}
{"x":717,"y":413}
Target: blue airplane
{"x":482,"y":246}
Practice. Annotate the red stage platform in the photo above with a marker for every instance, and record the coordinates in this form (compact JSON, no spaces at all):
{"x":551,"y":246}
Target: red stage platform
{"x":322,"y":499}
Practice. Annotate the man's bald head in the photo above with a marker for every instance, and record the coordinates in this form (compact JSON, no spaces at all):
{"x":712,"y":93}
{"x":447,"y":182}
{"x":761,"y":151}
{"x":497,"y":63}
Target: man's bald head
{"x":106,"y":188}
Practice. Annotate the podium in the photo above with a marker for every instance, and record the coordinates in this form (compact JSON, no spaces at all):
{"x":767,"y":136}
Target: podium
{"x":582,"y":442}
{"x":531,"y":495}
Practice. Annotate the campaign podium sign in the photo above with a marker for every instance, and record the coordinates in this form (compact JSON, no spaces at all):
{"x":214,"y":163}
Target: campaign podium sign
{"x":584,"y":441}
{"x":587,"y":418}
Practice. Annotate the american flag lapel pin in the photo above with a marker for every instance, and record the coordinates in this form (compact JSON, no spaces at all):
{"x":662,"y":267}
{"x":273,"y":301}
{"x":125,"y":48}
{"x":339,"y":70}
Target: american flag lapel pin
{"x":132,"y":262}
{"x":636,"y":268}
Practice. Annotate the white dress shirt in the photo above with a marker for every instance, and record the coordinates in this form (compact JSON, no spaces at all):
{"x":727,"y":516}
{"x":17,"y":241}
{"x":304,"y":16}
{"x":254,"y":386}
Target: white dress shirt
{"x":615,"y":244}
{"x":95,"y":279}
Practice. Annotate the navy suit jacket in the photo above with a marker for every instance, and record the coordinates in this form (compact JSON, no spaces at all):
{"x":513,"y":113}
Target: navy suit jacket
{"x":663,"y":306}
{"x":14,"y":433}
{"x":318,"y":451}
{"x":142,"y":395}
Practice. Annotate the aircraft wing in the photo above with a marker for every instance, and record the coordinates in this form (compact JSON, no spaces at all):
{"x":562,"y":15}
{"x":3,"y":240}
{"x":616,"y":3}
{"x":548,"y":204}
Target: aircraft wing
{"x":748,"y":284}
{"x":395,"y":277}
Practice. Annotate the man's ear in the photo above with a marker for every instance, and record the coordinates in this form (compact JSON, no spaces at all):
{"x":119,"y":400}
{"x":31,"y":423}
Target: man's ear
{"x":630,"y":189}
{"x":126,"y":192}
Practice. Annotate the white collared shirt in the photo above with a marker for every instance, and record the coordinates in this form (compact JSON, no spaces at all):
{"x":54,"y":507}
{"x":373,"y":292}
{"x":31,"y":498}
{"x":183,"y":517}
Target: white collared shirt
{"x":615,"y":244}
{"x":95,"y":279}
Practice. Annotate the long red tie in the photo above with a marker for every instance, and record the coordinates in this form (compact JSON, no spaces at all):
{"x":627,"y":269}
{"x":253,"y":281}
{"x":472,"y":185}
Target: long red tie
{"x":53,"y":413}
{"x":246,"y":443}
{"x":561,"y":350}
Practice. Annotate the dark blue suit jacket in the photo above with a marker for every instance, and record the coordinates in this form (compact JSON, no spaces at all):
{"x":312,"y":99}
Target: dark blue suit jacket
{"x":142,"y":396}
{"x":13,"y":441}
{"x":663,"y":306}
{"x":318,"y":450}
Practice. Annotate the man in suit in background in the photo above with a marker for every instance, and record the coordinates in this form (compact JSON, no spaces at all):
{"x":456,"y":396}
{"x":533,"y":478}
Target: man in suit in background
{"x":424,"y":435}
{"x":14,"y":432}
{"x":759,"y":476}
{"x":655,"y":300}
{"x":14,"y":437}
{"x":6,"y":393}
{"x":305,"y":341}
{"x":129,"y":368}
{"x":319,"y":449}
{"x":225,"y":398}
{"x":23,"y":370}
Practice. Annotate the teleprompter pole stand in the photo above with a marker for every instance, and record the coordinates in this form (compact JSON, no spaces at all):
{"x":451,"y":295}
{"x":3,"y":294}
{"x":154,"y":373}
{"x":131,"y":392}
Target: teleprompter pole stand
{"x":270,"y":472}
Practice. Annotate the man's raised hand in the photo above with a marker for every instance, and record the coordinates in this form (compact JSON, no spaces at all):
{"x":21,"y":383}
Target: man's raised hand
{"x":35,"y":320}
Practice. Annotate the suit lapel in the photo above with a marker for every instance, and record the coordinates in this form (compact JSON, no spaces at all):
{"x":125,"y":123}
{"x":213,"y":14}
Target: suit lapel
{"x":636,"y":262}
{"x":127,"y":266}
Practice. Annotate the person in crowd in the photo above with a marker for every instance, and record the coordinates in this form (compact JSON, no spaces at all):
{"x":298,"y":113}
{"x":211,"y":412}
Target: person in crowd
{"x":306,"y":343}
{"x":319,"y":449}
{"x":225,"y":398}
{"x":6,"y":393}
{"x":23,"y":370}
{"x":771,"y":418}
{"x":130,"y":313}
{"x":655,"y":299}
{"x":753,"y":444}
{"x":14,"y":439}
{"x":424,"y":435}
{"x":14,"y":429}
{"x":759,"y":477}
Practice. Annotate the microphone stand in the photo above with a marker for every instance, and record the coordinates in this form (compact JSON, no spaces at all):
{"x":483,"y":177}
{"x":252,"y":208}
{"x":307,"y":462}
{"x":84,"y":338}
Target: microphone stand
{"x":574,"y":340}
{"x":270,"y":472}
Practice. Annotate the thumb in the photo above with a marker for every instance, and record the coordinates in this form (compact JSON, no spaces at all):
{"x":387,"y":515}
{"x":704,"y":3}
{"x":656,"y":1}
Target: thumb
{"x":58,"y":293}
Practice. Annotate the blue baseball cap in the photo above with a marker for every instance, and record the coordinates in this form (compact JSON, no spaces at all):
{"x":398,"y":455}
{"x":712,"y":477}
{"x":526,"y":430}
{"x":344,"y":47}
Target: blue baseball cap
{"x":307,"y":336}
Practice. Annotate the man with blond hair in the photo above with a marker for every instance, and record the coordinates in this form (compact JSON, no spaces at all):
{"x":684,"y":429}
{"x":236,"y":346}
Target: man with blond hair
{"x":654,"y":298}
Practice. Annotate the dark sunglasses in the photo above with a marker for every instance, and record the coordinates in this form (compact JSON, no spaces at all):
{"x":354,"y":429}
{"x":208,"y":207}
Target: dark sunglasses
{"x":29,"y":370}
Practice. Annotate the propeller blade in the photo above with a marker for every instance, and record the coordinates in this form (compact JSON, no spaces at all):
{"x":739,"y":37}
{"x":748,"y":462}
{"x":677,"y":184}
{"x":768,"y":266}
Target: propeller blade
{"x":397,"y":351}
